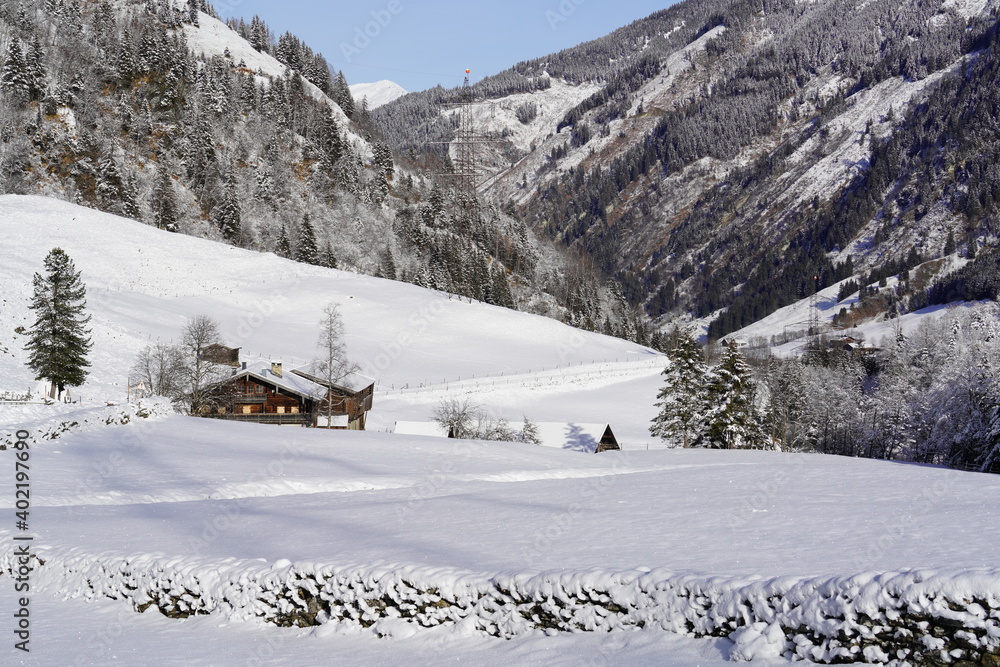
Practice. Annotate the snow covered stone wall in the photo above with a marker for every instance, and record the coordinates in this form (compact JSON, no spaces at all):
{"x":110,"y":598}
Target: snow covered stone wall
{"x":894,"y":618}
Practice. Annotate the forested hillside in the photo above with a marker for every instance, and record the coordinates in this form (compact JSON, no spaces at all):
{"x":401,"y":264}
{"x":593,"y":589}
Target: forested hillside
{"x":740,"y":154}
{"x":155,"y":110}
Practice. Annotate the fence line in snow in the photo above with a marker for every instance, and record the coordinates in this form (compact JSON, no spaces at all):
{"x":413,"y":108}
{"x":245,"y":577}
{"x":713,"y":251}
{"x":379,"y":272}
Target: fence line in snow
{"x":584,"y":369}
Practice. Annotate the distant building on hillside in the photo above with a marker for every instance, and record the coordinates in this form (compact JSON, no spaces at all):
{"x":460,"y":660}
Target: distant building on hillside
{"x":560,"y":435}
{"x":220,"y":354}
{"x":265,"y":392}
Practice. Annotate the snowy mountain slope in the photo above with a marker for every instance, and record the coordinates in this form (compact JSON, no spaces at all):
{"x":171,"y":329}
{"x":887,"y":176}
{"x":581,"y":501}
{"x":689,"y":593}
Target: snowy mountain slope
{"x":378,"y":93}
{"x":659,"y":93}
{"x":211,"y":37}
{"x":727,"y":144}
{"x":785,"y":330}
{"x":531,"y":141}
{"x":144,"y":283}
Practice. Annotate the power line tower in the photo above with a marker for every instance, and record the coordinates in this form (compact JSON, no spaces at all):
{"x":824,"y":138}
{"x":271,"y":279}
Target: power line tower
{"x":468,"y":142}
{"x":814,"y":308}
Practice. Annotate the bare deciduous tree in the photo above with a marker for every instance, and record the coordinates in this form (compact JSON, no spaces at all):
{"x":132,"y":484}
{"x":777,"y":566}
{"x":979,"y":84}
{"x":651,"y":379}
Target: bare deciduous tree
{"x":158,"y":368}
{"x":459,"y":416}
{"x":199,"y":375}
{"x":332,"y":366}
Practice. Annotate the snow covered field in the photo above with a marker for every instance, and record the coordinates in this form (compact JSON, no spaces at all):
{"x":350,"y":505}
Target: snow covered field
{"x":377,"y":498}
{"x":195,"y":499}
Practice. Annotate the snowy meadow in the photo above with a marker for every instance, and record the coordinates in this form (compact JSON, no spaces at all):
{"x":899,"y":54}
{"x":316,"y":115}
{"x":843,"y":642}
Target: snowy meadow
{"x":159,"y":538}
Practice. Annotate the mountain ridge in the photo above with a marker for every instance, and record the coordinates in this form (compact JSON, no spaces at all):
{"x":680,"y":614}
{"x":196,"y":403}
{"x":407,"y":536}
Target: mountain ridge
{"x":377,"y":93}
{"x":730,"y":160}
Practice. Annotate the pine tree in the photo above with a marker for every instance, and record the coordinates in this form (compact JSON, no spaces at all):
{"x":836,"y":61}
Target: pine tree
{"x":260,"y":36}
{"x":329,"y":260}
{"x":164,"y":202}
{"x":529,"y":432}
{"x":383,"y":160}
{"x":787,"y":407}
{"x":330,"y":142}
{"x":432,"y":213}
{"x":283,"y":247}
{"x":34,"y":59}
{"x":732,"y":418}
{"x":388,"y":267}
{"x":229,"y":215}
{"x":306,"y":250}
{"x":130,"y":198}
{"x":59,"y":341}
{"x":342,"y":95}
{"x":682,"y":399}
{"x":15,"y":75}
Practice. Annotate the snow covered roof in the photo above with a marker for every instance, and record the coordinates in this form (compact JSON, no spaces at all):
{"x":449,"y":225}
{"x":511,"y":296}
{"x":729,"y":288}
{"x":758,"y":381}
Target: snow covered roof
{"x":353,"y":382}
{"x":420,"y":428}
{"x":262,"y":370}
{"x":571,"y":435}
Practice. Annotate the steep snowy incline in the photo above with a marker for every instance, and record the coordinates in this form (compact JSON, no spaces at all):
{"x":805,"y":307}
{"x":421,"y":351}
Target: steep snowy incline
{"x":211,"y":37}
{"x":144,"y":283}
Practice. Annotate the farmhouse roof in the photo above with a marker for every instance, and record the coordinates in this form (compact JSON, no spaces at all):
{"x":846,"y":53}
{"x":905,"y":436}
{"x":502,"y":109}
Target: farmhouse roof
{"x":297,"y":384}
{"x":353,"y":382}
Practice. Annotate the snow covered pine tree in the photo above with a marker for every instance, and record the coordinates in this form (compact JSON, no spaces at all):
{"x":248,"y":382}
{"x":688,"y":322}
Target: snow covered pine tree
{"x":732,"y":419}
{"x":683,"y":397}
{"x":59,"y":341}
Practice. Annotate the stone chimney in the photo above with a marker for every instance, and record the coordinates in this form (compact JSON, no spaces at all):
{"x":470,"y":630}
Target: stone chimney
{"x":276,"y":368}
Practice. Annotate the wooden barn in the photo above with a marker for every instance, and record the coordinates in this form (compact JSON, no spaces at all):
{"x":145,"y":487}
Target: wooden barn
{"x":577,"y":436}
{"x":264,"y":391}
{"x":221,"y":354}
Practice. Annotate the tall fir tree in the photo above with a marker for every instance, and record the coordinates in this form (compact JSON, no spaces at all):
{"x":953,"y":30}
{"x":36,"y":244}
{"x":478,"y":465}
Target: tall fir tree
{"x":732,"y":419}
{"x":306,"y":250}
{"x":59,"y":341}
{"x":164,"y":202}
{"x":283,"y":247}
{"x":329,"y":259}
{"x":342,"y":95}
{"x":229,"y":215}
{"x":682,"y":399}
{"x":15,"y":75}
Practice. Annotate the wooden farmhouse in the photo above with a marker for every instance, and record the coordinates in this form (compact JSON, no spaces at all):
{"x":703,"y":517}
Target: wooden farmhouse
{"x":264,"y":391}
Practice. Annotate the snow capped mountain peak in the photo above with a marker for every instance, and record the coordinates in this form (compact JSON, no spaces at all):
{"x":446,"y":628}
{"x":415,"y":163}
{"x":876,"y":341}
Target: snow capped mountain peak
{"x":378,"y":93}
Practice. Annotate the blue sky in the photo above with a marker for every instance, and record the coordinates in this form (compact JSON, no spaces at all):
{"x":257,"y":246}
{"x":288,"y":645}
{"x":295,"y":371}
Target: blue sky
{"x":419,"y":44}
